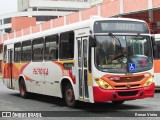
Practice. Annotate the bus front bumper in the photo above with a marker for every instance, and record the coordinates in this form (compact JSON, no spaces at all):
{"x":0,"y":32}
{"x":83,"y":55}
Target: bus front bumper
{"x":101,"y":95}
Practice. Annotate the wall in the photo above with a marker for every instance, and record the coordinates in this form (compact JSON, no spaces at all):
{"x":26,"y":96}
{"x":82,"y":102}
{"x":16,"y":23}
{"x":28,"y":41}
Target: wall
{"x":19,"y":23}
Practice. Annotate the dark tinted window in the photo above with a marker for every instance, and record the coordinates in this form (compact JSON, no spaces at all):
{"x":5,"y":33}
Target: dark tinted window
{"x":26,"y":50}
{"x":7,"y":20}
{"x":17,"y":52}
{"x":67,"y":45}
{"x":37,"y":54}
{"x":44,"y":18}
{"x":157,"y":50}
{"x":51,"y":47}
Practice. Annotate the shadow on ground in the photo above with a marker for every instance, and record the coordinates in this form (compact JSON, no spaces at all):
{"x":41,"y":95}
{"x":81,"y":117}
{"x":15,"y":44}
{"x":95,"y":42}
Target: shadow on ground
{"x":82,"y":106}
{"x":157,"y":90}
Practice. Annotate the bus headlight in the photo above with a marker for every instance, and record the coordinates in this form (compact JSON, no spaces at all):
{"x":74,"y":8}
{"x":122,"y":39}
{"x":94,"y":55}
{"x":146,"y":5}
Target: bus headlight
{"x":148,"y":82}
{"x":103,"y":84}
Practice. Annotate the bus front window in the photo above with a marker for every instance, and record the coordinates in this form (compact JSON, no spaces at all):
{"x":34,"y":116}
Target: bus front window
{"x":114,"y":53}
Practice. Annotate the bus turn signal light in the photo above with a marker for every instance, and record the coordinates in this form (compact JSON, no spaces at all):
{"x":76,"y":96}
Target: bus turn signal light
{"x":103,"y":84}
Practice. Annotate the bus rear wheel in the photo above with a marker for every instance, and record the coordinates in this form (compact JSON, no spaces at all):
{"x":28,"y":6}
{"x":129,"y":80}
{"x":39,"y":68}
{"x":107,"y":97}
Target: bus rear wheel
{"x":118,"y":102}
{"x":69,"y":96}
{"x":22,"y":88}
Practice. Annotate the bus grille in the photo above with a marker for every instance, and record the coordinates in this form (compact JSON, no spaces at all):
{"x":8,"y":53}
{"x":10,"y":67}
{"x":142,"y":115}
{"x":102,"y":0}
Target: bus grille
{"x":129,"y":79}
{"x":125,"y":87}
{"x":130,"y":93}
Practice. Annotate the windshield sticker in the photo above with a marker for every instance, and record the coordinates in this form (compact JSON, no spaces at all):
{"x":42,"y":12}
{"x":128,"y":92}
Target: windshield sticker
{"x":132,"y":67}
{"x":112,"y":66}
{"x":143,"y":62}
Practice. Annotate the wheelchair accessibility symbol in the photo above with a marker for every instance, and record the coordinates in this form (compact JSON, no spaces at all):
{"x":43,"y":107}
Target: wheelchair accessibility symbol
{"x":132,"y":67}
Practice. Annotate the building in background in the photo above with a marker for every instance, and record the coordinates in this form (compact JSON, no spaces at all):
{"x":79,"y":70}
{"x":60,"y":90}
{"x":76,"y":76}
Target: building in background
{"x":42,"y":10}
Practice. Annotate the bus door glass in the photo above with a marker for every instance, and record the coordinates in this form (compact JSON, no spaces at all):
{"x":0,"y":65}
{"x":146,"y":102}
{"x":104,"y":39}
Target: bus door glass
{"x":10,"y":57}
{"x":83,"y":67}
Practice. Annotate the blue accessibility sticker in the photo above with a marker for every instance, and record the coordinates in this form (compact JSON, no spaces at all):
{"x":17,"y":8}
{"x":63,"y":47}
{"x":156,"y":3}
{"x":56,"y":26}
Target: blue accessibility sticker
{"x":132,"y":67}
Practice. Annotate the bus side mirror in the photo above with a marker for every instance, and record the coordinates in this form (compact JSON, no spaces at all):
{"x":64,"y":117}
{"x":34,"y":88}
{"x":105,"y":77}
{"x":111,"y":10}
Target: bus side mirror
{"x":92,"y":42}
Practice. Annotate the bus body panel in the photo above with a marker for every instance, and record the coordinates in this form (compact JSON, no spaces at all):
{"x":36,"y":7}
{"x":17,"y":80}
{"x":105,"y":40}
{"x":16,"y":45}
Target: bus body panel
{"x":101,"y":95}
{"x":52,"y":83}
{"x":157,"y":73}
{"x":122,"y":92}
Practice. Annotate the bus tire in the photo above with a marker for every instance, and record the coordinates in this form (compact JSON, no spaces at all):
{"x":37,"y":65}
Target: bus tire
{"x":69,"y":96}
{"x":22,"y":89}
{"x":118,"y":102}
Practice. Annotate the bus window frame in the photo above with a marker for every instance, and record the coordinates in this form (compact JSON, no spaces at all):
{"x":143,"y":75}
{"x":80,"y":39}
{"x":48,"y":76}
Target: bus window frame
{"x":57,"y":49}
{"x":20,"y":53}
{"x":33,"y":50}
{"x":30,"y":51}
{"x":59,"y":55}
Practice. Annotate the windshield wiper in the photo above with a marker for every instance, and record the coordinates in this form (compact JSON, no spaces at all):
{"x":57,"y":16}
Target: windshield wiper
{"x":120,"y":45}
{"x":113,"y":36}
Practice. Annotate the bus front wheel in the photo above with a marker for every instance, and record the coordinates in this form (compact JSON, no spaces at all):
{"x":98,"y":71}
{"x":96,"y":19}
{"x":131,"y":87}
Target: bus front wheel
{"x":22,"y":88}
{"x":69,"y":96}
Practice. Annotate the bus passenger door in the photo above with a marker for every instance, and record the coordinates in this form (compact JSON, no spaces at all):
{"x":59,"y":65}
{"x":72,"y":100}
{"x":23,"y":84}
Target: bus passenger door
{"x":82,"y":44}
{"x":10,"y":70}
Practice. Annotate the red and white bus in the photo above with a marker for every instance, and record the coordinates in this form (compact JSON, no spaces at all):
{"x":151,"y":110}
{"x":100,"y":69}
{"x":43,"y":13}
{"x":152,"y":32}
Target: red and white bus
{"x":96,"y":60}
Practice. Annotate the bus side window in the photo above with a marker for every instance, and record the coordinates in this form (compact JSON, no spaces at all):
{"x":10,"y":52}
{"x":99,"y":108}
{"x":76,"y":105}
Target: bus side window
{"x":67,"y":45}
{"x":51,"y":47}
{"x":17,"y":52}
{"x":26,"y":50}
{"x":157,"y":50}
{"x":37,"y":54}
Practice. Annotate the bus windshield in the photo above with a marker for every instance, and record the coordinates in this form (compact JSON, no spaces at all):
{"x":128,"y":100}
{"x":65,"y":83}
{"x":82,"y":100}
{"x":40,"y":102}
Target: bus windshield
{"x":115,"y":53}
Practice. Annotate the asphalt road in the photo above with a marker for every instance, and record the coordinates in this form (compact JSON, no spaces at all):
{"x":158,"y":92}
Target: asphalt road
{"x":10,"y":100}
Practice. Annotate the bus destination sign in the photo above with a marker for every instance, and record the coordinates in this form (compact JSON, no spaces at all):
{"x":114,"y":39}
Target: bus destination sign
{"x":120,"y":27}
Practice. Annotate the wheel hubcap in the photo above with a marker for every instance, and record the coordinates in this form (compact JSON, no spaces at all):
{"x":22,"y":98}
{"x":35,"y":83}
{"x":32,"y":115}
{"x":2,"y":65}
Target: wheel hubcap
{"x":22,"y":90}
{"x":70,"y":95}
